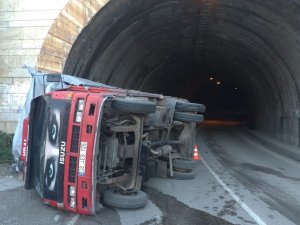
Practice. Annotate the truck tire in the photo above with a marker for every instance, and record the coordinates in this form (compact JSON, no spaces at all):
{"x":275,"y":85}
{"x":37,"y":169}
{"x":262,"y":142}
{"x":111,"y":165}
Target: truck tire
{"x":190,"y":107}
{"x":133,"y":105}
{"x":180,"y":175}
{"x":184,"y":163}
{"x":115,"y":199}
{"x":188,"y":117}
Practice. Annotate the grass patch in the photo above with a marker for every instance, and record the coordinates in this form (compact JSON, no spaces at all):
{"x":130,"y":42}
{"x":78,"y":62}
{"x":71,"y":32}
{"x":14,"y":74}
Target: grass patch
{"x":5,"y":146}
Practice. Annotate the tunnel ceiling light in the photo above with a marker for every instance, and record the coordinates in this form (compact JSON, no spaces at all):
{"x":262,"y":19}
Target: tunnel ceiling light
{"x":211,"y":78}
{"x":219,"y":83}
{"x":236,"y":88}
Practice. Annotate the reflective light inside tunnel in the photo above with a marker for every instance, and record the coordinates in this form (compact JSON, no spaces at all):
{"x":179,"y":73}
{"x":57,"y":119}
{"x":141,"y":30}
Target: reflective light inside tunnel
{"x":184,"y":48}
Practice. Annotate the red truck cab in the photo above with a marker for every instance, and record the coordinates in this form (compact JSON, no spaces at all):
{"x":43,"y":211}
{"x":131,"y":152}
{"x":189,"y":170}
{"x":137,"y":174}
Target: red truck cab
{"x":80,"y":141}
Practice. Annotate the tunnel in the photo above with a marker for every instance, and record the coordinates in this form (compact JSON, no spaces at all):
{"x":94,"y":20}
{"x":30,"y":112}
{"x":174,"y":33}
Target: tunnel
{"x":239,"y":58}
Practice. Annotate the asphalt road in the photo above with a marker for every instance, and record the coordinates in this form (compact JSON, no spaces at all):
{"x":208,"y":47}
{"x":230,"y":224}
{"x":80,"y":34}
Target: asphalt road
{"x":264,"y":179}
{"x":239,"y":180}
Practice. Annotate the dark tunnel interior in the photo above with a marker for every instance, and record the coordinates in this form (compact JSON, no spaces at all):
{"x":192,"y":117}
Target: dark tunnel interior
{"x":239,"y":58}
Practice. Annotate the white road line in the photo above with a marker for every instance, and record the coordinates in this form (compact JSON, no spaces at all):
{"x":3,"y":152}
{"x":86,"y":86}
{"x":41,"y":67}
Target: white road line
{"x":234,"y":196}
{"x":73,"y":220}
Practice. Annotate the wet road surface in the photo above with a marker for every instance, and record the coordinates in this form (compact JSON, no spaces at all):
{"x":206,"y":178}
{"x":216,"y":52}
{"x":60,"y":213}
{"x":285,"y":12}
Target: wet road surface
{"x":267,"y":180}
{"x":239,"y":180}
{"x":19,"y":206}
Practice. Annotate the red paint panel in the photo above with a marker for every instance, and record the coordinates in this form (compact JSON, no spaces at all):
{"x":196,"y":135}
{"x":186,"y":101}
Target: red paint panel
{"x":24,"y":139}
{"x":85,"y":192}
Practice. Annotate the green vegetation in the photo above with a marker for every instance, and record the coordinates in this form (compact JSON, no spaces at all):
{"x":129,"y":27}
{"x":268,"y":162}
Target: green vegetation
{"x":5,"y":146}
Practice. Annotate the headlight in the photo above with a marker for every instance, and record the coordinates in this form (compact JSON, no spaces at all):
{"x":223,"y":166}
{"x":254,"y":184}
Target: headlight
{"x":78,"y":117}
{"x":72,"y":191}
{"x":80,"y":105}
{"x":72,"y":202}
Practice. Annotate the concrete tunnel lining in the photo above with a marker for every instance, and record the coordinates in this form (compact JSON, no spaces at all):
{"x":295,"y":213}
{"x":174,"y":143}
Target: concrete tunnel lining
{"x":173,"y":47}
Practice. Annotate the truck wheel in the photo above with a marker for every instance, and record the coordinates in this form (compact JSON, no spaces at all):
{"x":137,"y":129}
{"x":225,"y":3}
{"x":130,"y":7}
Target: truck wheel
{"x":188,"y":117}
{"x":133,"y":105}
{"x":180,"y":175}
{"x":190,"y":107}
{"x":115,"y":199}
{"x":184,"y":163}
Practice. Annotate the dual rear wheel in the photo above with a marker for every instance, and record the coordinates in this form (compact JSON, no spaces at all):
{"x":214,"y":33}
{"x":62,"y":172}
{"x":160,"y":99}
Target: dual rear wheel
{"x":187,"y":112}
{"x":182,"y":168}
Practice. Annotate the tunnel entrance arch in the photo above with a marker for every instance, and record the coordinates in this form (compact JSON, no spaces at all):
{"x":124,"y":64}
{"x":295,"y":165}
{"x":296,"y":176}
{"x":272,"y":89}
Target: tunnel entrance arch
{"x":175,"y":47}
{"x":64,"y":31}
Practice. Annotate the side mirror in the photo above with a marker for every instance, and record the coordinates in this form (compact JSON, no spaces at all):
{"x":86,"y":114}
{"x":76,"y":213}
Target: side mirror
{"x":53,"y":77}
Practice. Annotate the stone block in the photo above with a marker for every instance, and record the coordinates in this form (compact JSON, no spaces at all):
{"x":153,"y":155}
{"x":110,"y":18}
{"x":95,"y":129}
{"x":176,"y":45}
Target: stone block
{"x":30,"y":23}
{"x":6,"y":16}
{"x":20,"y":72}
{"x":4,"y":52}
{"x":33,"y":33}
{"x":20,"y":81}
{"x":18,"y":100}
{"x":4,"y":61}
{"x":64,"y":23}
{"x":33,"y":52}
{"x":7,"y":5}
{"x":32,"y":43}
{"x":55,"y":49}
{"x":10,"y":33}
{"x":36,"y":15}
{"x":102,"y":2}
{"x":4,"y":88}
{"x":4,"y":102}
{"x":11,"y":44}
{"x":5,"y":72}
{"x":8,"y":127}
{"x":77,"y":12}
{"x":50,"y":65}
{"x":12,"y":61}
{"x":20,"y":60}
{"x":6,"y":80}
{"x":39,"y":5}
{"x":11,"y":103}
{"x":17,"y":52}
{"x":11,"y":52}
{"x":4,"y":24}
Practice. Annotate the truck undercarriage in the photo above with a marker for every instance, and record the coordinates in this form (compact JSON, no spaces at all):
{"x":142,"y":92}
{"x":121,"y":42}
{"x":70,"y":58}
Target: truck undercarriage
{"x":138,"y":140}
{"x":94,"y":145}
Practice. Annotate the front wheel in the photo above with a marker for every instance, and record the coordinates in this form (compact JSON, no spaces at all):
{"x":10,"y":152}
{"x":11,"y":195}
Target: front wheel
{"x":114,"y":198}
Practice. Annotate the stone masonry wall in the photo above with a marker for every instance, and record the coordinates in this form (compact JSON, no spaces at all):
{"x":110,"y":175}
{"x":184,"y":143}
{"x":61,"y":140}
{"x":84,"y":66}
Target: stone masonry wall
{"x":24,"y":25}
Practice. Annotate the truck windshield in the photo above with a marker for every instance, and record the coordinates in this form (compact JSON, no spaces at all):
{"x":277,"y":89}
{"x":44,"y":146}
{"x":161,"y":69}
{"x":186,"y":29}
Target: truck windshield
{"x":39,"y":111}
{"x":49,"y":123}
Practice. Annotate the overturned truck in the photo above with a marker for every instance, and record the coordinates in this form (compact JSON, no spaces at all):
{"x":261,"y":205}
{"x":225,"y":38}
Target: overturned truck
{"x":85,"y":145}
